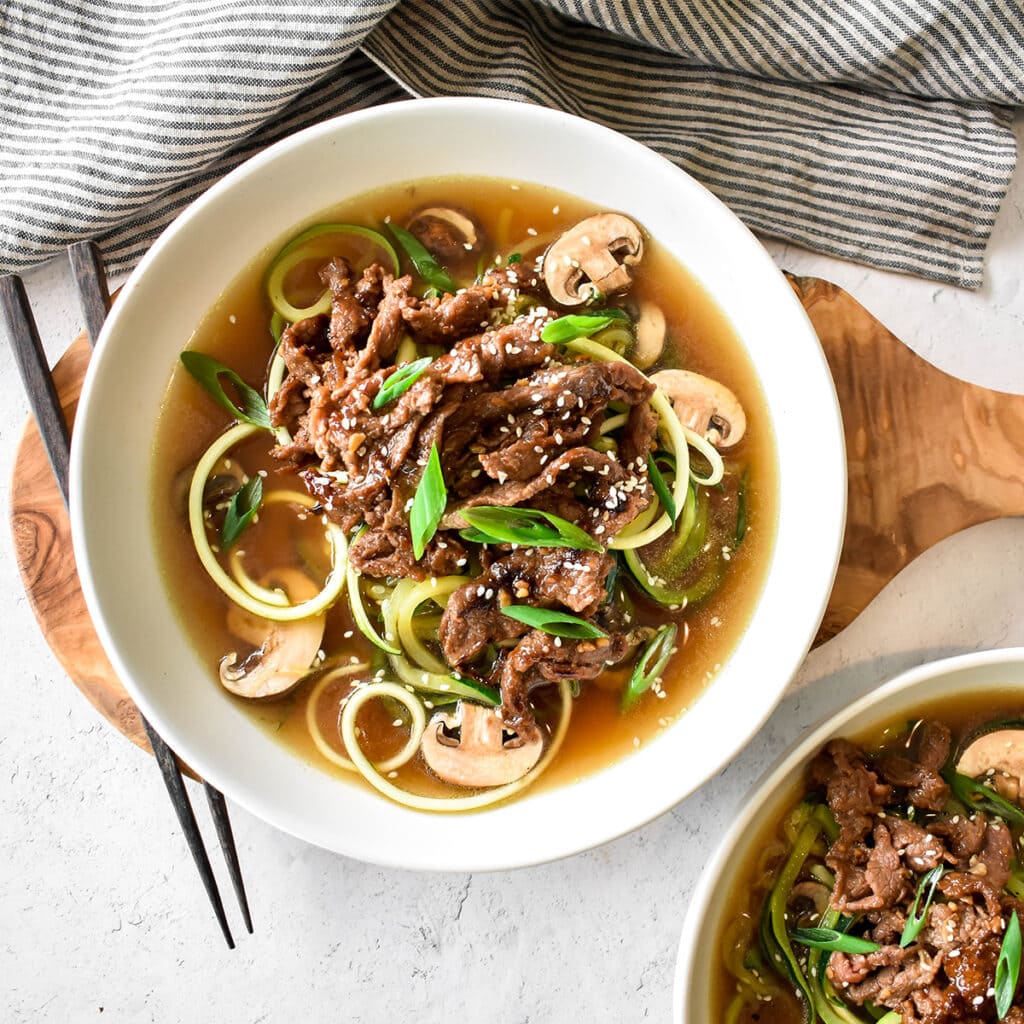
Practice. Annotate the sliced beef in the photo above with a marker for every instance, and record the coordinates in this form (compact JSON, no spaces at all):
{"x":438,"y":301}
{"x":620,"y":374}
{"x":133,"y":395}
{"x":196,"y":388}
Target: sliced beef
{"x":540,"y":657}
{"x":589,"y":488}
{"x":925,"y":788}
{"x":964,"y":835}
{"x":881,"y":883}
{"x":442,"y":320}
{"x":853,"y":790}
{"x":388,"y":553}
{"x":541,"y":577}
{"x":920,"y":849}
{"x":302,"y":345}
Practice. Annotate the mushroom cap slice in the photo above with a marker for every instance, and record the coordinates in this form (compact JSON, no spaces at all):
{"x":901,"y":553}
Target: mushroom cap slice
{"x":650,"y":335}
{"x":595,"y":255}
{"x":468,"y":748}
{"x":285,"y":651}
{"x":704,"y":405}
{"x":1002,"y":753}
{"x":449,"y":234}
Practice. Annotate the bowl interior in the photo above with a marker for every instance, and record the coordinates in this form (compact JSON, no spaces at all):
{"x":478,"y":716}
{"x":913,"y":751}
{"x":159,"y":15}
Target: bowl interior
{"x":770,"y":798}
{"x":240,"y":217}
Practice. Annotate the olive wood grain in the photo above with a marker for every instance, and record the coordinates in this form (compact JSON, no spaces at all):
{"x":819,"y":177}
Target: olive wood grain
{"x":928,"y":455}
{"x":42,"y":542}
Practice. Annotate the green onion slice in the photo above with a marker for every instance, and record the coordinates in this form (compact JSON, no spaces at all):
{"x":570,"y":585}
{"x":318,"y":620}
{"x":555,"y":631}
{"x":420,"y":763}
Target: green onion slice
{"x":429,"y":504}
{"x":650,"y":665}
{"x":568,"y":328}
{"x":208,"y":372}
{"x":832,"y":940}
{"x":242,"y":510}
{"x":1008,"y":967}
{"x":915,"y":921}
{"x":400,"y":381}
{"x":506,"y":524}
{"x":661,"y":489}
{"x":979,"y":797}
{"x":426,"y":266}
{"x":555,"y":623}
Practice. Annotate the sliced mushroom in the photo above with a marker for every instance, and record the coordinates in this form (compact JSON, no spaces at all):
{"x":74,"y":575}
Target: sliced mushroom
{"x":650,"y":335}
{"x":704,"y":405}
{"x":472,"y":748}
{"x":999,"y":756}
{"x":285,"y":651}
{"x":449,"y":234}
{"x":594,"y":257}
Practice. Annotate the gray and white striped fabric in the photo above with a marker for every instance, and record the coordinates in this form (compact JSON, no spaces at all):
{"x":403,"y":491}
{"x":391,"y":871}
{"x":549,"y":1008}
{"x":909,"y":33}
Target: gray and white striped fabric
{"x":875,"y":130}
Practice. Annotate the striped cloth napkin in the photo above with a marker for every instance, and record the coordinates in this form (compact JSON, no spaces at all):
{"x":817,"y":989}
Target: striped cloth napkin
{"x":874,"y":130}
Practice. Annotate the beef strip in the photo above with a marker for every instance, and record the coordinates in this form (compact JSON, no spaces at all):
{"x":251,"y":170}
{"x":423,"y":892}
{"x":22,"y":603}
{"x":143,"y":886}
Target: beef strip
{"x":540,"y":657}
{"x":541,"y":577}
{"x":388,"y":553}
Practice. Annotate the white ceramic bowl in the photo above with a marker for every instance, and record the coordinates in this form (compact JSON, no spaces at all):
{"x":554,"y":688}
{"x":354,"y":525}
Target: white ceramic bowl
{"x":696,"y":962}
{"x":185,"y":272}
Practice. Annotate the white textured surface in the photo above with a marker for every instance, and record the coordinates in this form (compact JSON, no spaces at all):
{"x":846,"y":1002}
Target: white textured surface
{"x":102,"y":917}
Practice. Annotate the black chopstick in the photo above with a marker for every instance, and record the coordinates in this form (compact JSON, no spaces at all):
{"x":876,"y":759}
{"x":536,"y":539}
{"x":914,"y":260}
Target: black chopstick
{"x":42,"y":394}
{"x":94,"y":297}
{"x":35,"y":376}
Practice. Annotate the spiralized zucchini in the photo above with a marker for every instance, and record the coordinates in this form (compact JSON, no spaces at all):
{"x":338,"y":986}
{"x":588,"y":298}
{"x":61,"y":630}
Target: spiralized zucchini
{"x":275,"y":378}
{"x":409,"y":750}
{"x":335,"y":582}
{"x":672,"y":429}
{"x":293,"y":254}
{"x":372,"y":774}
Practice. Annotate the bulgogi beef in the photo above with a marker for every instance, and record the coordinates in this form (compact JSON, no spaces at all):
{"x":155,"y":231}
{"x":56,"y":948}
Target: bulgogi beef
{"x":514,"y":421}
{"x":896,"y":823}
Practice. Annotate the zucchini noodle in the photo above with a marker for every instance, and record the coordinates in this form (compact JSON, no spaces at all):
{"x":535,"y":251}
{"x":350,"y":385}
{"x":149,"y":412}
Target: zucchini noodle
{"x":293,"y":254}
{"x":614,"y":422}
{"x":275,"y":378}
{"x":404,"y":756}
{"x":335,"y":582}
{"x":366,"y":768}
{"x":629,"y":536}
{"x":268,"y":595}
{"x":362,"y":620}
{"x":437,"y":590}
{"x":710,"y":452}
{"x":275,"y":288}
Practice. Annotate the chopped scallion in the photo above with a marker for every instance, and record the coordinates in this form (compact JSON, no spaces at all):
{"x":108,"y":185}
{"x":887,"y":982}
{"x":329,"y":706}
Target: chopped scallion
{"x":400,"y":381}
{"x":650,"y":665}
{"x":426,"y":266}
{"x":1008,"y":967}
{"x":833,"y":941}
{"x":661,"y":489}
{"x":208,"y":373}
{"x":242,"y":510}
{"x":428,"y":505}
{"x":503,"y":524}
{"x":915,"y":921}
{"x":555,"y":623}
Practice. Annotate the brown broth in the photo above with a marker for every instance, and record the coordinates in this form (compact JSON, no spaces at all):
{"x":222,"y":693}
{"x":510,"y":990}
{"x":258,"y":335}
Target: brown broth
{"x":516,"y":218}
{"x":767,"y":849}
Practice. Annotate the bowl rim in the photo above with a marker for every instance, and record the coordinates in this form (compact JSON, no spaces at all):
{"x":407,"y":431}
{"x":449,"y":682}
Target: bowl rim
{"x":799,"y":752}
{"x":832,"y":509}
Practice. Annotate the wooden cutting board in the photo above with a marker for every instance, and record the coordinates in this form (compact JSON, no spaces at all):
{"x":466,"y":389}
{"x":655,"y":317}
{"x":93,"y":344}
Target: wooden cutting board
{"x":928,"y":455}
